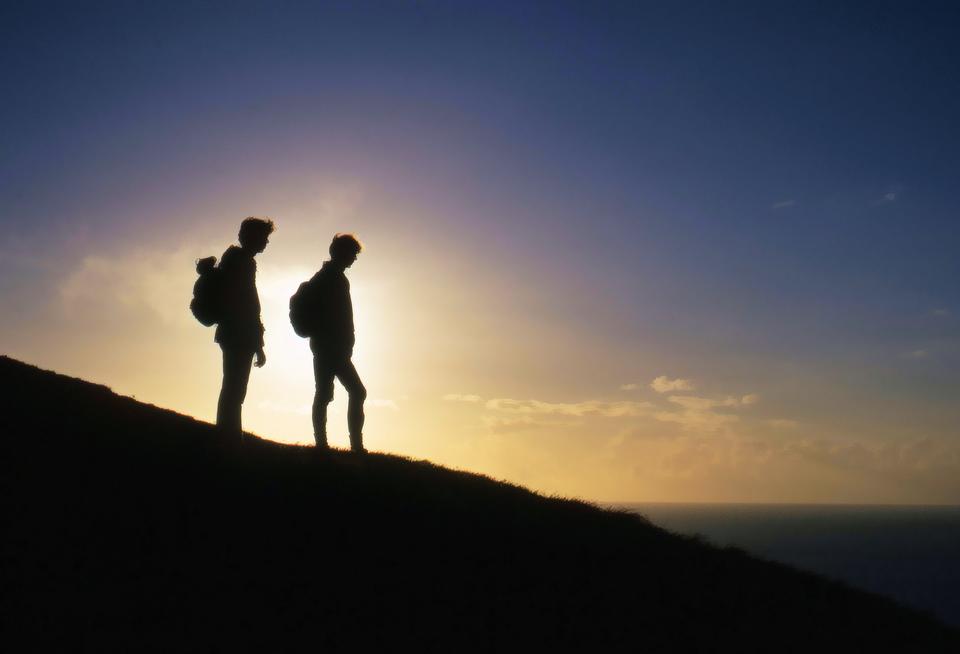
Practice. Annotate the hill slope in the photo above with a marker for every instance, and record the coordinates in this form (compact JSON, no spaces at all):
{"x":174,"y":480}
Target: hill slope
{"x":133,"y":528}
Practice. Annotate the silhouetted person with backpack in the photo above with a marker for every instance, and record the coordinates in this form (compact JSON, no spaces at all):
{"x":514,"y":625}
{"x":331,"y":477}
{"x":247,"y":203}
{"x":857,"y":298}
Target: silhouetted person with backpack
{"x":239,"y":329}
{"x":322,"y":310}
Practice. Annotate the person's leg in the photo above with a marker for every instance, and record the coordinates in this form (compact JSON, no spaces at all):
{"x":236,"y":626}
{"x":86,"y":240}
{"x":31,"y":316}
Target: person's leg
{"x":347,"y":374}
{"x":323,"y":394}
{"x":236,"y":375}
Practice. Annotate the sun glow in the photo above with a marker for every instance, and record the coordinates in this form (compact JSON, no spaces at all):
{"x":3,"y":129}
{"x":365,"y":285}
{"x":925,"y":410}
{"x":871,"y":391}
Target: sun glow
{"x":284,"y":387}
{"x":285,"y":350}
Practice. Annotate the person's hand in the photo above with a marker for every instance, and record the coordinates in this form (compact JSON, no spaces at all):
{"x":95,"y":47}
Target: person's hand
{"x":261,"y":358}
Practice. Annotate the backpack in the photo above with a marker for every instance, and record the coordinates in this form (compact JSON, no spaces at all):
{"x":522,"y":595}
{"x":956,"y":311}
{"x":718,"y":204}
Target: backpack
{"x":206,"y":304}
{"x":306,"y":308}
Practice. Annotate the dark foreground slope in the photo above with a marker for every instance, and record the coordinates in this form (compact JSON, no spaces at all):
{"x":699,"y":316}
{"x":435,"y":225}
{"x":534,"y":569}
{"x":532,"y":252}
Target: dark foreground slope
{"x":132,"y":528}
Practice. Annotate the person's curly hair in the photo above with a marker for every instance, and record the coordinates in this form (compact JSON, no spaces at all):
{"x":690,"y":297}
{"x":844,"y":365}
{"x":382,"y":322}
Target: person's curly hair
{"x":345,"y":245}
{"x":251,"y":228}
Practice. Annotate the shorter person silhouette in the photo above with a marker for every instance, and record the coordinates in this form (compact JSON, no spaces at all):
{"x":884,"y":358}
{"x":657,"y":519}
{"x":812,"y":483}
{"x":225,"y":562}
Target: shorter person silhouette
{"x":332,"y":342}
{"x":240,"y":331}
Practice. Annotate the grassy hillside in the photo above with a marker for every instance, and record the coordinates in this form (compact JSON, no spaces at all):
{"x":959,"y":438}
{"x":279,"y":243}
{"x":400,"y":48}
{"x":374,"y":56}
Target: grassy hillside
{"x":133,"y":528}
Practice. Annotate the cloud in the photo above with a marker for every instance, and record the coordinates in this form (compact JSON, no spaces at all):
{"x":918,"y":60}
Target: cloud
{"x":916,"y":354}
{"x":692,"y":413}
{"x":888,"y":197}
{"x":783,"y":204}
{"x":905,"y":457}
{"x":663,"y":384}
{"x":383,"y":404}
{"x":704,"y":404}
{"x":698,"y":412}
{"x":629,"y":387}
{"x":457,"y":397}
{"x":158,"y":281}
{"x":698,"y":403}
{"x":577,"y":409}
{"x":734,"y":459}
{"x":940,"y":312}
{"x":697,"y":420}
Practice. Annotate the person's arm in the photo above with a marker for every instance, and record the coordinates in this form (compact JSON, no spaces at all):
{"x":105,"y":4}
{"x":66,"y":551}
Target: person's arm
{"x":261,"y":359}
{"x":348,"y":328}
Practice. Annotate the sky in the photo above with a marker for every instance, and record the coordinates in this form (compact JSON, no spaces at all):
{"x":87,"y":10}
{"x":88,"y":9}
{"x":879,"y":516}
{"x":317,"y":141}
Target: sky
{"x":618,"y":251}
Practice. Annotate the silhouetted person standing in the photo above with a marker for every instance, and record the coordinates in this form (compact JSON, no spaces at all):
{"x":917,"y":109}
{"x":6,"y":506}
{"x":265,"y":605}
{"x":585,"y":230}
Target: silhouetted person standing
{"x":240,"y":331}
{"x":332,"y":342}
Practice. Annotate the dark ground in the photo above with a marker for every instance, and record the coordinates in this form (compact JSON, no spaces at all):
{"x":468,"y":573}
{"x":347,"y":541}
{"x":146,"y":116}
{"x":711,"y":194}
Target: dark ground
{"x":134,"y":528}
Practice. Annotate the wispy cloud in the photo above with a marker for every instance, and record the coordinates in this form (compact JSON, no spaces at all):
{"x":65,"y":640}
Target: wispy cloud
{"x":383,"y":404}
{"x":629,"y":387}
{"x":729,"y":454}
{"x":916,"y":354}
{"x":783,"y":204}
{"x":704,"y":403}
{"x":457,"y":397}
{"x":693,"y":414}
{"x":697,"y":419}
{"x":663,"y":384}
{"x":148,"y":280}
{"x":699,"y":413}
{"x":940,"y":312}
{"x":900,"y":457}
{"x":577,"y":409}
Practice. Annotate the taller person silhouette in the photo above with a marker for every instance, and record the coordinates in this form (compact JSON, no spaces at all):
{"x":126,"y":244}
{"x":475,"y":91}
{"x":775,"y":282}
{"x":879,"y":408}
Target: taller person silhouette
{"x":240,"y":330}
{"x":327,"y":317}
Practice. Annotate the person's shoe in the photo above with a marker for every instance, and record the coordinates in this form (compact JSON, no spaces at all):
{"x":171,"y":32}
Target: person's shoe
{"x":356,"y":444}
{"x":322,"y":449}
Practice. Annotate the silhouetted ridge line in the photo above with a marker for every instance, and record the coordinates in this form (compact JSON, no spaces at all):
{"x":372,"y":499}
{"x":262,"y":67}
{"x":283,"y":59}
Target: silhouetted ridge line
{"x":134,"y":528}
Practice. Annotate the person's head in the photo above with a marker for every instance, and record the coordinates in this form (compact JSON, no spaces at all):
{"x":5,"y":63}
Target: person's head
{"x":254,"y":233}
{"x":344,"y":249}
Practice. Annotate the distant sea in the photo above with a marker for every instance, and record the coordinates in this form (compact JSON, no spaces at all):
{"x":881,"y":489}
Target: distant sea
{"x":909,"y":553}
